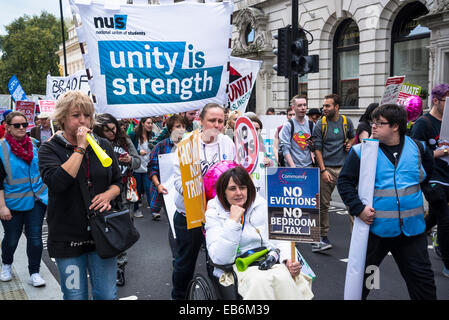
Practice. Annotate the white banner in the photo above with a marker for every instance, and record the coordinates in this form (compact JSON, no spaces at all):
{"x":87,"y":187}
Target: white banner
{"x":159,"y":59}
{"x":58,"y":85}
{"x":355,"y":270}
{"x":243,"y":74}
{"x":166,"y":173}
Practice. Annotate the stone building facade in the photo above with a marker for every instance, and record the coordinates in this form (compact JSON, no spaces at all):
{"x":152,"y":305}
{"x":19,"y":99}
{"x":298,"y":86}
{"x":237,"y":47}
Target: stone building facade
{"x":360,"y":44}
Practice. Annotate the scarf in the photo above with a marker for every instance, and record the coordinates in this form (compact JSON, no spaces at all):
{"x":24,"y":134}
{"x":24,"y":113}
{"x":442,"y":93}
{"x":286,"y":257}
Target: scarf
{"x":22,"y":149}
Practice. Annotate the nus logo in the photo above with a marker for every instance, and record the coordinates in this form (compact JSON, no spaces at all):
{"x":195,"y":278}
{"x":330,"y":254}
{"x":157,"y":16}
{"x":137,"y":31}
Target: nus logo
{"x":116,"y":22}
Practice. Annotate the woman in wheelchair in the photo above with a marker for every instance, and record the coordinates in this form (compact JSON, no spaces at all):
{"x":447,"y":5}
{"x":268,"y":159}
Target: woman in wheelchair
{"x":237,"y":222}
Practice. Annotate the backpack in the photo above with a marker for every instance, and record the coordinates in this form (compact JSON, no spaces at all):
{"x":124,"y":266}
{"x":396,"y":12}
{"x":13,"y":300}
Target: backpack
{"x":282,"y":162}
{"x":324,"y":127}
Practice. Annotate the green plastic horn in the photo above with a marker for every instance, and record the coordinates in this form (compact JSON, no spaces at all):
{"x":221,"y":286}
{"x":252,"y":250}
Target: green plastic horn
{"x":243,"y":263}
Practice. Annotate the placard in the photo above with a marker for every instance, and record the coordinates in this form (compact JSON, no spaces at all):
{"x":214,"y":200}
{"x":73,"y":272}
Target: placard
{"x":293,"y":204}
{"x":28,"y":108}
{"x":392,"y":89}
{"x":166,"y":161}
{"x":242,"y":76}
{"x":59,"y":85}
{"x":246,"y":143}
{"x":192,"y":180}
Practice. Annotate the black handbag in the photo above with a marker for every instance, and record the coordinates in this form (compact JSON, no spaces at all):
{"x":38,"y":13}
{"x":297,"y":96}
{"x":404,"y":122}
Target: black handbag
{"x":112,"y":231}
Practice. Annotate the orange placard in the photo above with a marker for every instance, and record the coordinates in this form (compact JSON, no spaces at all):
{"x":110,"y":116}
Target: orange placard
{"x":192,"y":180}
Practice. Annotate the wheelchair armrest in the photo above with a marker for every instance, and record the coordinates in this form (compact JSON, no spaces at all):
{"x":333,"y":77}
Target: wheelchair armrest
{"x":224,"y":267}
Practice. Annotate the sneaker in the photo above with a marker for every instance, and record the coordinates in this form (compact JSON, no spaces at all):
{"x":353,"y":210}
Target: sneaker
{"x":36,"y":280}
{"x":156,"y":216}
{"x":6,"y":274}
{"x":120,"y":277}
{"x":324,"y":244}
{"x":445,"y":272}
{"x":435,"y":244}
{"x":138,"y":214}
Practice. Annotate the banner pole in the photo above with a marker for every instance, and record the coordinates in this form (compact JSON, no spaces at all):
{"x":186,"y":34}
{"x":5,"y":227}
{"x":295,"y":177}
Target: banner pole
{"x":293,"y":251}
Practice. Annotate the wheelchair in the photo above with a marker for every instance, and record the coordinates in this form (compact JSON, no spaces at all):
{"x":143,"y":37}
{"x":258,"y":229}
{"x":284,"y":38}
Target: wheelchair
{"x":203,"y":287}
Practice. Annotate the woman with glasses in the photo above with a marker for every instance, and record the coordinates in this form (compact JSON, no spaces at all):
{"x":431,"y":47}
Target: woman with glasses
{"x":23,"y":197}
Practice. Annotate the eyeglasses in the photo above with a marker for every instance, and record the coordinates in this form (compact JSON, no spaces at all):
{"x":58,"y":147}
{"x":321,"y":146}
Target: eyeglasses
{"x":17,"y":125}
{"x":378,"y":124}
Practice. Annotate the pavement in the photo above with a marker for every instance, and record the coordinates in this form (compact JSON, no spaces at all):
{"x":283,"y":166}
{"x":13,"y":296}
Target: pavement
{"x":18,"y":288}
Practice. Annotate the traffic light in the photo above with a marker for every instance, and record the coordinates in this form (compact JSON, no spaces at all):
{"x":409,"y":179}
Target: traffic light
{"x":283,"y":51}
{"x":300,"y":62}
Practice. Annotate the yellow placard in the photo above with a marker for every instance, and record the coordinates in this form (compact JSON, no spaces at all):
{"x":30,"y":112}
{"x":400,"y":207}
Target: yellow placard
{"x":192,"y":180}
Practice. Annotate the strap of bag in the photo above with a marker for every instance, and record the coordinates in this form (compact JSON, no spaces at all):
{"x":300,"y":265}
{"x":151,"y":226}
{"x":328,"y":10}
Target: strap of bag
{"x":310,"y":126}
{"x":323,"y":128}
{"x":292,"y":129}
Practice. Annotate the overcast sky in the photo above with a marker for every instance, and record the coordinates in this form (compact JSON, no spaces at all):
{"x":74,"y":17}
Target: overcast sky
{"x":13,"y":9}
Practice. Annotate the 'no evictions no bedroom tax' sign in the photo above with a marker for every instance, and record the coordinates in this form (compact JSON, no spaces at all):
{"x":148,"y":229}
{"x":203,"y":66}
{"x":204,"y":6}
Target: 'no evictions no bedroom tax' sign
{"x":293,"y":210}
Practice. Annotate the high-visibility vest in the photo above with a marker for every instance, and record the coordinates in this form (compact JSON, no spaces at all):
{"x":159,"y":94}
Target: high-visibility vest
{"x":23,"y":183}
{"x":397,"y":197}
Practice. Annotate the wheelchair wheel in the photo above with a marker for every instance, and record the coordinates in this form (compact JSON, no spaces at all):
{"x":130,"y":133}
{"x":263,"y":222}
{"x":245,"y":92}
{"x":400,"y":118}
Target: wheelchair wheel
{"x":200,"y":288}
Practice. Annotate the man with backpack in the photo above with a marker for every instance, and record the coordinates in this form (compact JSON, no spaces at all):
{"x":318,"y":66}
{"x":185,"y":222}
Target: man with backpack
{"x":333,"y":137}
{"x":427,"y":128}
{"x":295,"y":143}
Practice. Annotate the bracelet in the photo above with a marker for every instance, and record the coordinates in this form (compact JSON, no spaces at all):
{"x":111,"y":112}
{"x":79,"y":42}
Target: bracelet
{"x":79,"y":150}
{"x":321,"y":171}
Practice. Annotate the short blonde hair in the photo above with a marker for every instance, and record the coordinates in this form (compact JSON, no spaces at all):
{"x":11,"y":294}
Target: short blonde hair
{"x":70,"y":100}
{"x":234,"y":114}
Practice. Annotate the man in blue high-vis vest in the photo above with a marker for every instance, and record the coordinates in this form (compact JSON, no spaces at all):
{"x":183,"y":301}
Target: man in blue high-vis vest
{"x":396,"y":218}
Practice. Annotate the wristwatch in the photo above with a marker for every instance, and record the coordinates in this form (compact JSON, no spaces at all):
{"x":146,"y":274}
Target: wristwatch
{"x":445,"y":151}
{"x":321,"y":171}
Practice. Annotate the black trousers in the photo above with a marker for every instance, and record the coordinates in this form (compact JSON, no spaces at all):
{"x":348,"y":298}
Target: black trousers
{"x":412,"y":258}
{"x":188,"y":244}
{"x":438,"y":197}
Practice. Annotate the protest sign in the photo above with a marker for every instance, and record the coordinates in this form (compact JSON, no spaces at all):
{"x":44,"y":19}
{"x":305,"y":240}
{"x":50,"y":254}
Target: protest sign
{"x":293,"y":206}
{"x":2,"y":110}
{"x":147,"y":60}
{"x":58,"y":85}
{"x":407,"y":90}
{"x":392,"y":89}
{"x":47,"y":106}
{"x":28,"y":108}
{"x":246,"y":143}
{"x":242,"y":76}
{"x":192,"y":180}
{"x":16,"y":90}
{"x":166,"y":174}
{"x":258,"y":176}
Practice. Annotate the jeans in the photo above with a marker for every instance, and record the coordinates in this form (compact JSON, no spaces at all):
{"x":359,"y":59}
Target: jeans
{"x":143,"y":187}
{"x":188,"y":243}
{"x":412,"y":258}
{"x":73,"y":277}
{"x":438,"y":196}
{"x":32,"y":220}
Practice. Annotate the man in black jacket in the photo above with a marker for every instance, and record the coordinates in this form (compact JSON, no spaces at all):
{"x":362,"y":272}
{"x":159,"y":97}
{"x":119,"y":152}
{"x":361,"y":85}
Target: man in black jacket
{"x":427,"y":129}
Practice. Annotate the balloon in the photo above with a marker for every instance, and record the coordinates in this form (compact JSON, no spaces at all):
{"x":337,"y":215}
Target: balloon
{"x":413,"y":106}
{"x":212,"y":175}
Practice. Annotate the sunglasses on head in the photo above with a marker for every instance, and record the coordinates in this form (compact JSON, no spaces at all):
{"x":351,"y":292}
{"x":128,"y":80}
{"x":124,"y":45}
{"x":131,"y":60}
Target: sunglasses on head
{"x":17,"y":125}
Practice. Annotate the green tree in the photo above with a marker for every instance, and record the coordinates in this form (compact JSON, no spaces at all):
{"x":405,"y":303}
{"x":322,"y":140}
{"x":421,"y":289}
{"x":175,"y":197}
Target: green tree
{"x":29,"y":51}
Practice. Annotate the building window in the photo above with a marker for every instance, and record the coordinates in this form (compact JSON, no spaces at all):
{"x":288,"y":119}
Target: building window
{"x":249,"y":34}
{"x":346,"y":63}
{"x":409,"y":54}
